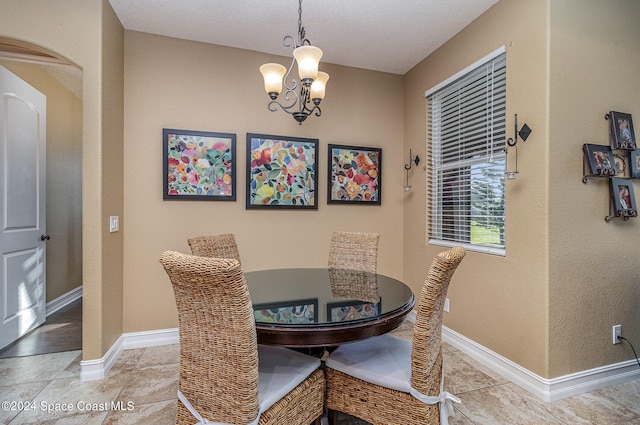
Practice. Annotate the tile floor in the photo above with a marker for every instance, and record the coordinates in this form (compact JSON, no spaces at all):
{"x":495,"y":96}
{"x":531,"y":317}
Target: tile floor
{"x":145,"y":382}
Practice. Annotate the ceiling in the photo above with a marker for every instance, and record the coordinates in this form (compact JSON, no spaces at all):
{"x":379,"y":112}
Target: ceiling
{"x":381,"y":35}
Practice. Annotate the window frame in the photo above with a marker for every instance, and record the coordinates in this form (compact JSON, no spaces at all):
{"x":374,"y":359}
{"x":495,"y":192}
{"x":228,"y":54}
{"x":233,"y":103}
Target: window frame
{"x":434,"y":227}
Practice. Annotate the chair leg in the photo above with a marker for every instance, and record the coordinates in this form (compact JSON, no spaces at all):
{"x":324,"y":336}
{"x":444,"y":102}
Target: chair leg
{"x":333,"y":417}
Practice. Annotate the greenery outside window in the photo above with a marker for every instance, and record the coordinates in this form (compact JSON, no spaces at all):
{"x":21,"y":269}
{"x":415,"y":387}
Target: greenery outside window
{"x":465,"y":146}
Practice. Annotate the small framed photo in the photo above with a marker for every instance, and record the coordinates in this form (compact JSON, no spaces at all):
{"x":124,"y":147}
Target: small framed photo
{"x":199,"y":165}
{"x":290,"y":312}
{"x":621,"y":164}
{"x":282,"y":172}
{"x":634,"y":162}
{"x":352,"y":310}
{"x":621,"y":131}
{"x":623,"y":197}
{"x":601,"y":160}
{"x":354,"y":175}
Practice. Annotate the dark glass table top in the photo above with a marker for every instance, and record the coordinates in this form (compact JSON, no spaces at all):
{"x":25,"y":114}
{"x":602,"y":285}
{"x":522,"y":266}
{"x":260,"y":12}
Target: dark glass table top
{"x":312,"y":307}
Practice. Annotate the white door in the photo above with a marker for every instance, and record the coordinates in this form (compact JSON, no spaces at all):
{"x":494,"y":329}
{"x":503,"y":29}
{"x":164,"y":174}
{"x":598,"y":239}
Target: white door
{"x":22,"y":207}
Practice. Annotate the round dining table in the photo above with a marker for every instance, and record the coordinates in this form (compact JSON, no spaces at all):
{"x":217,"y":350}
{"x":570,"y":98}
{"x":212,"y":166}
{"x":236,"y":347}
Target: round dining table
{"x":322,"y":307}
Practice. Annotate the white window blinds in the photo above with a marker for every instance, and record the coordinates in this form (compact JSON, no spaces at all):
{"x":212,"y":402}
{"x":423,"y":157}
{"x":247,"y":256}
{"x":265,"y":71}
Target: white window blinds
{"x":466,"y":135}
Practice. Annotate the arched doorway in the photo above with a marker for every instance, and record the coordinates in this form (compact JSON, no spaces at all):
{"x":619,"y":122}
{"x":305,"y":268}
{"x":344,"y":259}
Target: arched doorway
{"x":61,"y":81}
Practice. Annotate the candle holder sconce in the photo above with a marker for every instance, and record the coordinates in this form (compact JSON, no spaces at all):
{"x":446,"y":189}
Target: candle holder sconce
{"x":407,"y":167}
{"x":523,"y":133}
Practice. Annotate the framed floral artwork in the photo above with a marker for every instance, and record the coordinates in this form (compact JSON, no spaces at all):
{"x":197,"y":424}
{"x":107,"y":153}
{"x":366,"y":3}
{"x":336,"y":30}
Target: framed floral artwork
{"x":282,"y":172}
{"x":199,"y":165}
{"x":354,"y":175}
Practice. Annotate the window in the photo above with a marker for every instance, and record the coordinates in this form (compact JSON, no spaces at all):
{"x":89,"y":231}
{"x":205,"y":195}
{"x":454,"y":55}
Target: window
{"x":466,"y":135}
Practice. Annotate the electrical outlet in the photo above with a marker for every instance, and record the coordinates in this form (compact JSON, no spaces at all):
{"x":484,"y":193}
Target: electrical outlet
{"x":617,"y":331}
{"x":446,"y":305}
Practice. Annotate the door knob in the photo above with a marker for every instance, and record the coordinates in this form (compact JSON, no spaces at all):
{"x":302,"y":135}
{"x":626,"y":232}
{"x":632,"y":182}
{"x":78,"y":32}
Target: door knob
{"x":44,"y":238}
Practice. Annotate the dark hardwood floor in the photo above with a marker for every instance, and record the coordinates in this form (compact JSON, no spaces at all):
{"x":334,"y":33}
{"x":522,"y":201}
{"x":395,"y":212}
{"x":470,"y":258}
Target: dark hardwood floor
{"x":62,"y":331}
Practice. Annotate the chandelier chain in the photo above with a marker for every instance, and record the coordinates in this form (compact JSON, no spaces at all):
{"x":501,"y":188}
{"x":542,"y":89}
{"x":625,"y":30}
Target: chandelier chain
{"x":300,"y":29}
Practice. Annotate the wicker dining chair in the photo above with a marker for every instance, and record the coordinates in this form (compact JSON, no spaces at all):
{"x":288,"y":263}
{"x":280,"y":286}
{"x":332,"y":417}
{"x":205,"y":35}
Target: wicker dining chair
{"x":225,"y":376}
{"x":215,"y":246}
{"x":390,"y":380}
{"x":353,"y":261}
{"x":354,"y":251}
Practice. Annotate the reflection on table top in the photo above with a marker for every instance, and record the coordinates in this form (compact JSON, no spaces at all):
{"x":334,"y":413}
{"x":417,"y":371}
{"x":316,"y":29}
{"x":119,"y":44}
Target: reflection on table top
{"x":319,"y":306}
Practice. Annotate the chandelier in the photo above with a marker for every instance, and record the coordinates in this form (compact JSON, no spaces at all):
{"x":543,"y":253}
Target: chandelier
{"x":303,"y":100}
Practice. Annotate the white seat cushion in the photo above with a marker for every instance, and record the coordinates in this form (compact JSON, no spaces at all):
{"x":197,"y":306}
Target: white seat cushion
{"x":383,"y":360}
{"x":280,"y":370}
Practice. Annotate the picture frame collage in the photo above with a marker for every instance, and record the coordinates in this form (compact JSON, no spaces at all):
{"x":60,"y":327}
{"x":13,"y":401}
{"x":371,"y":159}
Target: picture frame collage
{"x":281,"y":172}
{"x":620,"y":162}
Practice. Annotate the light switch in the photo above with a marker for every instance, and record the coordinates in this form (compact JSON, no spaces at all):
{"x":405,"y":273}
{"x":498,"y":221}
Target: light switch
{"x":114,"y":223}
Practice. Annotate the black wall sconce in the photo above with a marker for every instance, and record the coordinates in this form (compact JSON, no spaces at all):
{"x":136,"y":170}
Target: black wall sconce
{"x":524,"y":133}
{"x":407,"y":167}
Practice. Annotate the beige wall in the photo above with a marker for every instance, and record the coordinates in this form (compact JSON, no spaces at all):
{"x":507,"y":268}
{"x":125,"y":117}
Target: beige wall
{"x":499,"y":302}
{"x":594,"y":276}
{"x":567,"y":276}
{"x":171,"y":83}
{"x":64,"y":178}
{"x":111,"y":168}
{"x":548,"y":305}
{"x":74,"y":29}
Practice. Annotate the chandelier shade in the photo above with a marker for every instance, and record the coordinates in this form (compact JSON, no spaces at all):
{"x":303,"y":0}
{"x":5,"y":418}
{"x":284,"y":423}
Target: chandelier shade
{"x":318,"y":86}
{"x":308,"y":59}
{"x":273,"y":73}
{"x":303,"y":97}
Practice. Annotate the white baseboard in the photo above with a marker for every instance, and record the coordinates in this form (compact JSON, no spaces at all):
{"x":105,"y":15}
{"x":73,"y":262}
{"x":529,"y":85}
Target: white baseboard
{"x":96,"y":369}
{"x":151,"y":338}
{"x":63,"y":300}
{"x":545,"y":389}
{"x":90,"y":370}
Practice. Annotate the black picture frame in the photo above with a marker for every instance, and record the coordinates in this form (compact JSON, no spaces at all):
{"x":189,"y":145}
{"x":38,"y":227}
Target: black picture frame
{"x":289,"y":312}
{"x":621,"y":134}
{"x":352,"y":310}
{"x":624,"y":199}
{"x":634,"y":162}
{"x":354,"y":175}
{"x":198,"y":165}
{"x":282,"y":172}
{"x":601,"y":160}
